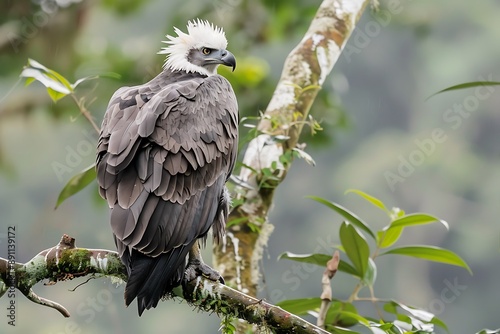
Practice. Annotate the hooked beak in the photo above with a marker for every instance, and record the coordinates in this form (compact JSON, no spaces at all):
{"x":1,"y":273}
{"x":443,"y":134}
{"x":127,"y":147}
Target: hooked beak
{"x":228,"y":59}
{"x":222,"y":57}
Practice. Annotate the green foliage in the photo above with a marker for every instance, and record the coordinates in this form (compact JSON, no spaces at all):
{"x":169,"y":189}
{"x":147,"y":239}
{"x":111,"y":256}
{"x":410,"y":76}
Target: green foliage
{"x":431,"y":253}
{"x":489,"y":331}
{"x":398,"y":317}
{"x":77,"y":183}
{"x":466,"y":85}
{"x":355,"y":246}
{"x":57,"y":85}
{"x":226,"y":325}
{"x":351,"y":217}
{"x":320,"y":260}
{"x":57,"y":88}
{"x":300,"y":306}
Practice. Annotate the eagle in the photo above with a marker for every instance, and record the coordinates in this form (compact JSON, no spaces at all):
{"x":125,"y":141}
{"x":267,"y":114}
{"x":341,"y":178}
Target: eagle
{"x":165,"y":151}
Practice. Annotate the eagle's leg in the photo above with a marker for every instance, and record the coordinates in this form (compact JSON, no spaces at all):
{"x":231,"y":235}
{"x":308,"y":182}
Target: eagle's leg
{"x":196,"y":267}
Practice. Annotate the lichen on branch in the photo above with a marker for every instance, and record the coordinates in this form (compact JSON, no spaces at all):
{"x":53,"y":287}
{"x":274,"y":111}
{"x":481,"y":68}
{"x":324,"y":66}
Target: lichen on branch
{"x":65,"y":261}
{"x":59,"y":263}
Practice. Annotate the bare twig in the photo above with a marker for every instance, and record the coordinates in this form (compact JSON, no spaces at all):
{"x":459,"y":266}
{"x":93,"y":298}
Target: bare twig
{"x":85,"y":112}
{"x":46,"y":302}
{"x":326,"y":296}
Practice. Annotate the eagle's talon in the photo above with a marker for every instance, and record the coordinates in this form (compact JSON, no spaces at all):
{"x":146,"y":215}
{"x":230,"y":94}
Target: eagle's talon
{"x":197,"y":268}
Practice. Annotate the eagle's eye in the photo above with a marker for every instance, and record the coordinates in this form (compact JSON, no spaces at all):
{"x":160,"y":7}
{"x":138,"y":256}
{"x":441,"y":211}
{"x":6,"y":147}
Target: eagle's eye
{"x":206,"y":51}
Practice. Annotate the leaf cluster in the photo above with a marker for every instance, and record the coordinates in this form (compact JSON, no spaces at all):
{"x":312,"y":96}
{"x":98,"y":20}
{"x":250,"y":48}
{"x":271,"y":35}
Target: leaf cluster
{"x":394,"y":317}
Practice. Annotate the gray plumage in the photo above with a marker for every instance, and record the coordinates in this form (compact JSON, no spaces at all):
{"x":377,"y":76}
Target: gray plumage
{"x":165,"y":151}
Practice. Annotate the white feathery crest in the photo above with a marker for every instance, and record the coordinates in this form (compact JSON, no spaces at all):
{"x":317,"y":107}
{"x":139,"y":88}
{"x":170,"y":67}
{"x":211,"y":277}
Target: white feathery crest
{"x":200,"y":34}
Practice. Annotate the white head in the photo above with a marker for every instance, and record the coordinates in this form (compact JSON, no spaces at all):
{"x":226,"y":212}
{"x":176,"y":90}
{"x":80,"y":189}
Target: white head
{"x":201,"y":50}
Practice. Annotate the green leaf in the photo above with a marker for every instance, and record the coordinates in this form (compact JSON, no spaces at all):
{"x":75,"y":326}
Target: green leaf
{"x":57,"y":85}
{"x":355,"y":247}
{"x":423,"y":315}
{"x":489,"y":331}
{"x":56,"y":76}
{"x":55,"y":95}
{"x":237,"y":221}
{"x":354,"y":316}
{"x":343,"y":314}
{"x":391,"y":307}
{"x":320,"y":260}
{"x":438,"y":322}
{"x":49,"y":73}
{"x":77,"y":183}
{"x":391,"y":233}
{"x":431,"y":253}
{"x":417,"y":313}
{"x":34,"y":64}
{"x":300,"y":306}
{"x":373,"y":200}
{"x":416,"y":219}
{"x":371,"y":273}
{"x":351,"y":217}
{"x":348,"y":269}
{"x":339,"y":330}
{"x":29,"y":81}
{"x":466,"y":85}
{"x":388,"y":237}
{"x":44,"y":79}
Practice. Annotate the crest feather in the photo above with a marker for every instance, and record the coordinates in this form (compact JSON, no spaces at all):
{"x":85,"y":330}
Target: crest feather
{"x":200,"y":34}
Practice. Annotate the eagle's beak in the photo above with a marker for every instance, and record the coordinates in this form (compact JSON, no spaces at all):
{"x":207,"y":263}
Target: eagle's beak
{"x":227,"y":58}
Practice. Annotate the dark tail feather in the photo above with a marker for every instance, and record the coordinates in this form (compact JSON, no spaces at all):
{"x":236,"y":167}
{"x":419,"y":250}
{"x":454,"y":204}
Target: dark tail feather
{"x":151,"y":278}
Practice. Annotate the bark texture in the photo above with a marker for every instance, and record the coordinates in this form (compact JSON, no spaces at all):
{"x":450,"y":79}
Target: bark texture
{"x":304,"y":73}
{"x":65,"y":262}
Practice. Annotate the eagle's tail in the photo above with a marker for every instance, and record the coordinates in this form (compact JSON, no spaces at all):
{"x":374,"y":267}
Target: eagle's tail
{"x":151,"y":278}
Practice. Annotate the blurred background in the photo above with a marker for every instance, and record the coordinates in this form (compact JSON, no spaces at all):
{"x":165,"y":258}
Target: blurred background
{"x":381,"y":135}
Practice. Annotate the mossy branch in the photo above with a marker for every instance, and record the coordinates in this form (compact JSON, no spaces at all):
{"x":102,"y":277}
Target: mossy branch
{"x":59,"y":263}
{"x":65,"y":262}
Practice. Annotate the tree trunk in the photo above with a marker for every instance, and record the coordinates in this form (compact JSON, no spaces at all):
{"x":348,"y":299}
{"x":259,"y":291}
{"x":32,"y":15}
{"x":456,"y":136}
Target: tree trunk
{"x":304,"y":72}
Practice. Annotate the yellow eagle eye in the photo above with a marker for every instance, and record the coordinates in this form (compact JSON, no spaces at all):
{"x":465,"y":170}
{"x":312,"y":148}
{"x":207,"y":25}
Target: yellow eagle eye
{"x":206,"y":51}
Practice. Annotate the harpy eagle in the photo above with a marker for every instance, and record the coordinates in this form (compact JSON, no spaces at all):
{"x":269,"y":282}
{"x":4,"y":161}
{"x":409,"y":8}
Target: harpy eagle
{"x":165,"y":152}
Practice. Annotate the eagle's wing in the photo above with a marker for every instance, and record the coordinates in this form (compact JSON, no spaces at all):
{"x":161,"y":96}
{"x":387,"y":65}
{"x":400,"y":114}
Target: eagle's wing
{"x":164,"y":155}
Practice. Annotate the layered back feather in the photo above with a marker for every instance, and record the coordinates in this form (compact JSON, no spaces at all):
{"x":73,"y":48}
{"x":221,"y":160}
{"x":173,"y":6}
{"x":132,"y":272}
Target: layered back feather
{"x":165,"y":151}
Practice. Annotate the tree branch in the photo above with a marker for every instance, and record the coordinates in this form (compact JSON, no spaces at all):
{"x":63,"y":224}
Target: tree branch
{"x":304,"y":72}
{"x":66,"y":262}
{"x":59,"y":263}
